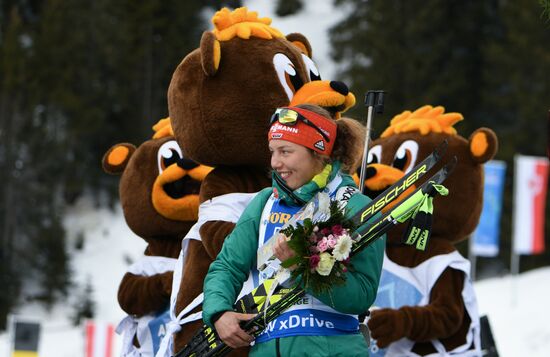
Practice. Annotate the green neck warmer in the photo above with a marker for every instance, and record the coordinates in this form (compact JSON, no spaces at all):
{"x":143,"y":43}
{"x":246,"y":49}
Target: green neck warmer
{"x":306,"y":192}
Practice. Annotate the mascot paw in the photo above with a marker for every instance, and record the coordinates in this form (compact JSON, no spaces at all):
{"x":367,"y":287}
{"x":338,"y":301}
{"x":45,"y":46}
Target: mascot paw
{"x":387,"y":326}
{"x":166,"y":281}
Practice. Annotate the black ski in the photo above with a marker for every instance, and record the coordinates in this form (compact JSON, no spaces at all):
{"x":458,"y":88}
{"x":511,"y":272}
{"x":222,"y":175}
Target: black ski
{"x":404,"y":183}
{"x":376,"y":205}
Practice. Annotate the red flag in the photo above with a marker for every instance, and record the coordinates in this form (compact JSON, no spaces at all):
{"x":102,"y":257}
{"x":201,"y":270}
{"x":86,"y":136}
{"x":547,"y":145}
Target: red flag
{"x":99,"y":339}
{"x":531,"y":177}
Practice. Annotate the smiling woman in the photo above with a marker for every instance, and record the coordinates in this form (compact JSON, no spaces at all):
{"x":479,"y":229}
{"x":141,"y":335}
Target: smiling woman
{"x":304,"y":139}
{"x":310,"y":153}
{"x":294,"y":163}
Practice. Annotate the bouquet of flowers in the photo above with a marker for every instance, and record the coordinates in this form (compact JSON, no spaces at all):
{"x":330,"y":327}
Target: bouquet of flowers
{"x":322,"y":250}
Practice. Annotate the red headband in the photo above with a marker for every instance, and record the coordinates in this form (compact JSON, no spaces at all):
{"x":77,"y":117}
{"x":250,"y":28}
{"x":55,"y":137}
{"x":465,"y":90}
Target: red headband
{"x":305,"y":130}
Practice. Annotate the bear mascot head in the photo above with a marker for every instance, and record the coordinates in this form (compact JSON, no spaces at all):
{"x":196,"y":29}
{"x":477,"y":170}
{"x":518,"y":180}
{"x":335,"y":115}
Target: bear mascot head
{"x":222,"y":94}
{"x":159,"y":193}
{"x":221,"y":98}
{"x":431,"y":307}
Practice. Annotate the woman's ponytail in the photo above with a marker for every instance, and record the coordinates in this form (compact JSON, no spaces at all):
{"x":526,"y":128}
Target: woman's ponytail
{"x":348,"y":147}
{"x":350,"y":136}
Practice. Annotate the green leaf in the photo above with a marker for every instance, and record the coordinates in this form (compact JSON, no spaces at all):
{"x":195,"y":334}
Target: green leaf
{"x":291,"y":261}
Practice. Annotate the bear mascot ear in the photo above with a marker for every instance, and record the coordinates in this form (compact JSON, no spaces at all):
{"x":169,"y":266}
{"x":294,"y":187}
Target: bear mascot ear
{"x":483,"y":144}
{"x":210,"y":53}
{"x":301,"y":42}
{"x":117,"y":157}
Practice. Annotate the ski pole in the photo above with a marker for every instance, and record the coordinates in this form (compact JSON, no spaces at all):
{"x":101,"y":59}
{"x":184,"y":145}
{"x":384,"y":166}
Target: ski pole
{"x":374,"y":101}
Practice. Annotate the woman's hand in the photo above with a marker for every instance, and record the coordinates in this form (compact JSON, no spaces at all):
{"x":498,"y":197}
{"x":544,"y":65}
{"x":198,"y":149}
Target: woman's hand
{"x":281,"y":249}
{"x":230,"y":331}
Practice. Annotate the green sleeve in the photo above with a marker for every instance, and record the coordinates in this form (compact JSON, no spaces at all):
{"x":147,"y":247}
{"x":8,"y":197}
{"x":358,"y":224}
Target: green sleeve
{"x":232,"y":266}
{"x":359,"y":291}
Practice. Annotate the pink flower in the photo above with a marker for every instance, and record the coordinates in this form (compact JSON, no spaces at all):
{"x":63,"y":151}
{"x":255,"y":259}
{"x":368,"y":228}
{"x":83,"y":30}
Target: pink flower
{"x":322,"y":245}
{"x":331,"y":241}
{"x":325,"y":232}
{"x":337,"y":229}
{"x":314,"y":261}
{"x":313,"y":249}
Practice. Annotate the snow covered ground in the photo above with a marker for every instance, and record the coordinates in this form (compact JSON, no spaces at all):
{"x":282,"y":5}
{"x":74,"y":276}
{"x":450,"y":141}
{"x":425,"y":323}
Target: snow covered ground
{"x":517,"y":308}
{"x":518,"y":311}
{"x":109,"y":248}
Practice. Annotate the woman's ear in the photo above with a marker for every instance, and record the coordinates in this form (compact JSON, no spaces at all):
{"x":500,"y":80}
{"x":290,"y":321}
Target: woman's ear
{"x":322,"y":159}
{"x":483,"y":144}
{"x":210,"y":53}
{"x":117,"y":157}
{"x":301,"y":42}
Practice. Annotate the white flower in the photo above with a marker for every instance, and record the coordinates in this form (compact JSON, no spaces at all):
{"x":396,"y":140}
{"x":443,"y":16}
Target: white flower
{"x":342,"y":248}
{"x":324,"y":206}
{"x":306,"y":212}
{"x":325,"y":264}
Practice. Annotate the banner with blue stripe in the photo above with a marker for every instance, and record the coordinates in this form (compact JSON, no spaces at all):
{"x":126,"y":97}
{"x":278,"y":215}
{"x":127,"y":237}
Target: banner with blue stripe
{"x":486,"y":236}
{"x":309,"y":322}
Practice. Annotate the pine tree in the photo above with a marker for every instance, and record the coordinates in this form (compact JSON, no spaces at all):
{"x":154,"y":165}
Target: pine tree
{"x":13,"y":59}
{"x":77,"y":76}
{"x":84,"y":305}
{"x":420,"y":52}
{"x":488,"y":60}
{"x":518,"y":79}
{"x":288,"y":7}
{"x":516,"y":98}
{"x":545,"y":8}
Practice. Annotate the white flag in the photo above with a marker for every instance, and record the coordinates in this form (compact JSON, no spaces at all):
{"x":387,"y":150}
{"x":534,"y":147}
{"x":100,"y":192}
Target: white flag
{"x":530,"y":182}
{"x":99,"y":339}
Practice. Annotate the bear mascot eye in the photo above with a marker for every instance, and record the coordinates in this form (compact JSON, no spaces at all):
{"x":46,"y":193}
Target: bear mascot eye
{"x":168,"y":154}
{"x":405,"y":156}
{"x":312,"y":70}
{"x":287,"y":74}
{"x":375,"y":155}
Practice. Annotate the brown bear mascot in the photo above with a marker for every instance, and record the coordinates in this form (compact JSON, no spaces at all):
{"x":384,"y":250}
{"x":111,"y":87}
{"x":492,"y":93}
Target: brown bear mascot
{"x":425,"y":303}
{"x":159,"y":196}
{"x":221,"y":98}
